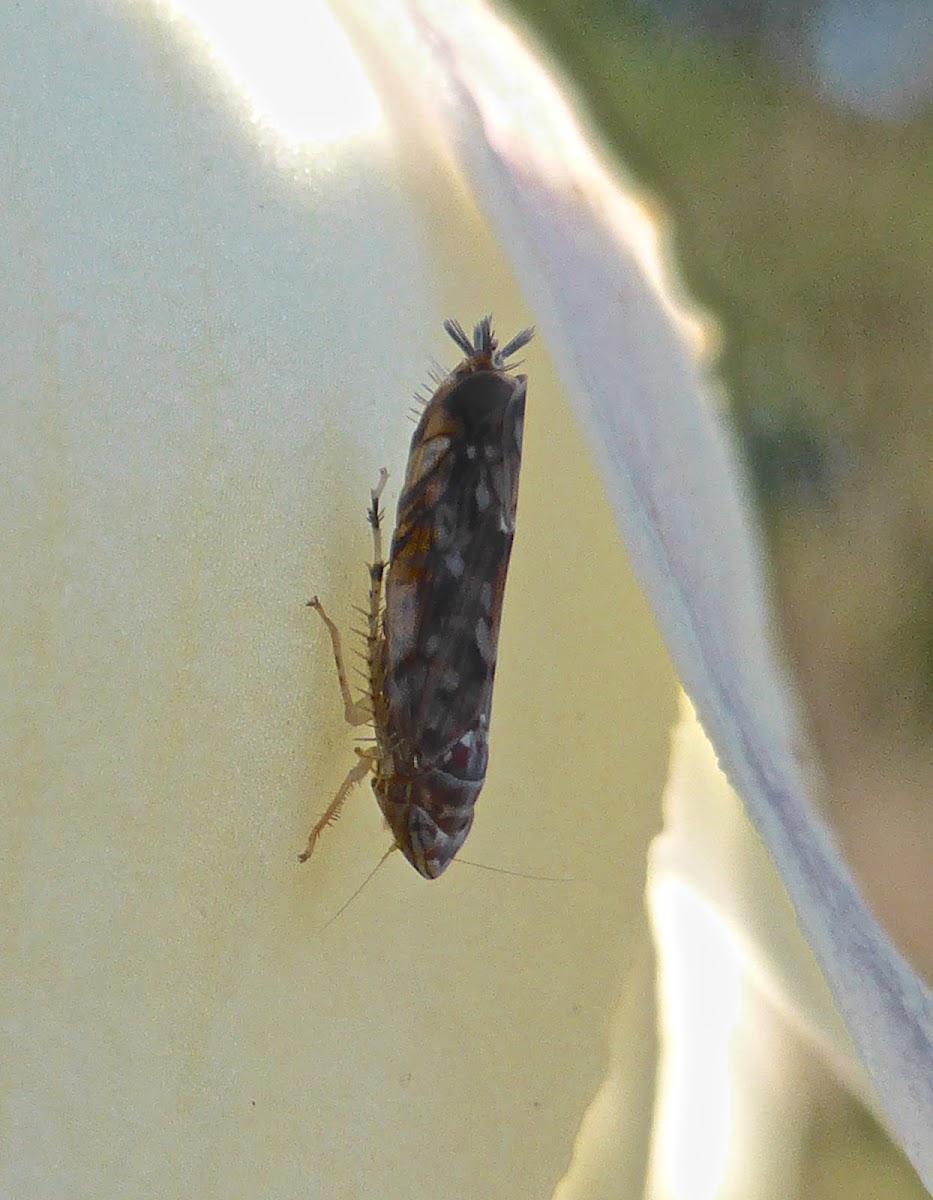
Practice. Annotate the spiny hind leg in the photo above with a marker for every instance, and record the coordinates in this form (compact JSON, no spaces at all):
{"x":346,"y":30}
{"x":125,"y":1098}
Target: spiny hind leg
{"x":356,"y":712}
{"x":359,"y":712}
{"x":367,"y":760}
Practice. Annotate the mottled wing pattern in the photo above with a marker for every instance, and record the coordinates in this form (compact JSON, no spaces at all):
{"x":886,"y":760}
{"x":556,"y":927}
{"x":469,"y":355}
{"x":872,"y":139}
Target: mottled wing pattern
{"x":456,"y":521}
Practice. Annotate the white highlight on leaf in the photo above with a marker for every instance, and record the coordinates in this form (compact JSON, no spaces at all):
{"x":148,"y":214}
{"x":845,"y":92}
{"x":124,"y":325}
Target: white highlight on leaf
{"x":742,"y":1003}
{"x":700,"y":1007}
{"x":293,"y":62}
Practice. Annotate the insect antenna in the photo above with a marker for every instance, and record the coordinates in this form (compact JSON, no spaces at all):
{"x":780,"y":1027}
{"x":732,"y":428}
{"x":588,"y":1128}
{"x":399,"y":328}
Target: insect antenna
{"x":343,"y":908}
{"x":467,"y":862}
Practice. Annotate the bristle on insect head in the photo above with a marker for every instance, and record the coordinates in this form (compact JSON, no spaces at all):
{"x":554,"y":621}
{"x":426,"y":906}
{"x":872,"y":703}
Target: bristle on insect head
{"x":484,"y":343}
{"x":422,"y":398}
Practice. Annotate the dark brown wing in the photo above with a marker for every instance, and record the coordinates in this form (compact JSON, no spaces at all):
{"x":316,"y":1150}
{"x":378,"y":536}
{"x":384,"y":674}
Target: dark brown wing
{"x":449,"y":559}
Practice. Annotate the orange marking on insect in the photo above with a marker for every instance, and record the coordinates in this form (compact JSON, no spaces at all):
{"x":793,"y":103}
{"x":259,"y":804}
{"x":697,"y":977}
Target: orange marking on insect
{"x":431,"y":648}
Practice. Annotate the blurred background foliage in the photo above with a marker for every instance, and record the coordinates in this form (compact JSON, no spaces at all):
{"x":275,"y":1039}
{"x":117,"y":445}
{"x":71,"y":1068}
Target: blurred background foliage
{"x":788,"y":146}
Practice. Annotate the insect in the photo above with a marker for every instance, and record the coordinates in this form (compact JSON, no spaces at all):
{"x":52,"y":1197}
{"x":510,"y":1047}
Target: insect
{"x":431,"y":645}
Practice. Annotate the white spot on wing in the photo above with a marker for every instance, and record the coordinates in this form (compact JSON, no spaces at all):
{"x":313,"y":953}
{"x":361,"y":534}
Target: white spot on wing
{"x":483,"y":643}
{"x":401,"y":630}
{"x":518,"y":431}
{"x":445,"y":523}
{"x":454,"y":563}
{"x":430,"y":453}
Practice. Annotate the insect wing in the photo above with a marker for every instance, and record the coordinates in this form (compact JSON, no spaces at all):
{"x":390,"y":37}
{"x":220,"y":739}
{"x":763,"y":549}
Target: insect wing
{"x":449,"y":560}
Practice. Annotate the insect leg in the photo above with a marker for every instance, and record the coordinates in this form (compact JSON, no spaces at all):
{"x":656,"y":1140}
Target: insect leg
{"x":357,"y":712}
{"x":378,"y":566}
{"x":356,"y":775}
